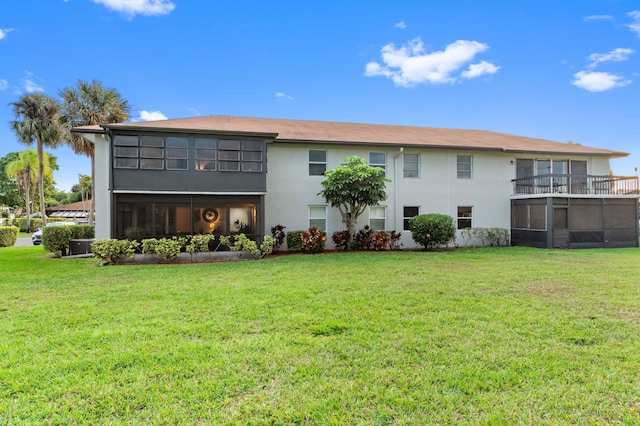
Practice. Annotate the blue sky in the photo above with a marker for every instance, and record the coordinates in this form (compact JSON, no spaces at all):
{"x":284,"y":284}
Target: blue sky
{"x":565,"y":71}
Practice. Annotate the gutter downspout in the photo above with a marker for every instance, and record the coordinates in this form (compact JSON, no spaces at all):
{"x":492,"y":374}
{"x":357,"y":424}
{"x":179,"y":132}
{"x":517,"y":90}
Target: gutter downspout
{"x":395,"y":185}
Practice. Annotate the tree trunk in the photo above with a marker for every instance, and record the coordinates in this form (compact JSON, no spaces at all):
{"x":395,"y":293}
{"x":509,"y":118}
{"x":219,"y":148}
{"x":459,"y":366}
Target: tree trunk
{"x":41,"y":181}
{"x":92,"y":207}
{"x":27,"y":199}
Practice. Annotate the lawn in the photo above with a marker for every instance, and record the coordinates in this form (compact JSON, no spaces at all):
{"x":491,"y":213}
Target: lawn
{"x":473,"y":336}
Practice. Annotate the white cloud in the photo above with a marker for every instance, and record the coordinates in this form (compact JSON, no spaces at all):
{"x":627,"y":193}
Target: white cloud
{"x":616,"y":55}
{"x":29,"y":85}
{"x":194,"y":111}
{"x":598,"y":18}
{"x":4,"y":84}
{"x":152,"y":116}
{"x":411,"y":64}
{"x":481,"y":68}
{"x":635,"y":26}
{"x":400,"y":25}
{"x":281,"y":95}
{"x":4,"y":32}
{"x":142,"y":7}
{"x":598,"y":81}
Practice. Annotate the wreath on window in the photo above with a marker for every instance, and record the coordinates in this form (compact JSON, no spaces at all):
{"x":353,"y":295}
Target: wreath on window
{"x":210,"y":215}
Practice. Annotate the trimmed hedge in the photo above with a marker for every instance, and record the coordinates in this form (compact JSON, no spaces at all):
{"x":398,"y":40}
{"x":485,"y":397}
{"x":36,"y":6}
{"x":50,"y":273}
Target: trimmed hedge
{"x":432,"y":230}
{"x":21,"y":222}
{"x":56,"y":239}
{"x":294,"y":240}
{"x":8,"y":235}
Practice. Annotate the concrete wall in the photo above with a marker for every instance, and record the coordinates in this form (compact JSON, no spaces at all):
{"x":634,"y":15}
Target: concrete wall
{"x":103,"y":186}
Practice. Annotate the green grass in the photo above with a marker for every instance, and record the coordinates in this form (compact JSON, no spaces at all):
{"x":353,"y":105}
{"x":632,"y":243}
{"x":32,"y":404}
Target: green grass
{"x":473,"y":336}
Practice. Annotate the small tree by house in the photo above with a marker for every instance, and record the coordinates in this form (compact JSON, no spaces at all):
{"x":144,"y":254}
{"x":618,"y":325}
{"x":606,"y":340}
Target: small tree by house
{"x":352,"y":187}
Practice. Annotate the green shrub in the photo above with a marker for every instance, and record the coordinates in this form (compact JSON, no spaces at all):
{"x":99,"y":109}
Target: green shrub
{"x":166,"y":249}
{"x":21,"y":222}
{"x":112,"y":250}
{"x":55,"y":239}
{"x":199,"y":243}
{"x":56,"y":219}
{"x":294,"y":242}
{"x":268,"y":243}
{"x":149,"y":245}
{"x":4,"y":214}
{"x":8,"y":235}
{"x":432,"y":230}
{"x":313,"y":240}
{"x":240,"y":243}
{"x":82,"y":232}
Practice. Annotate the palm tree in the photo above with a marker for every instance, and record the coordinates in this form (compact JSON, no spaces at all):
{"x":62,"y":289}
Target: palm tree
{"x":84,"y":184}
{"x":24,"y":170}
{"x":86,"y":105}
{"x":37,"y":121}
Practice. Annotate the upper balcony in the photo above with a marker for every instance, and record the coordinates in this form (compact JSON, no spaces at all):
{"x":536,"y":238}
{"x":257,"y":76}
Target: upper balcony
{"x":565,"y":184}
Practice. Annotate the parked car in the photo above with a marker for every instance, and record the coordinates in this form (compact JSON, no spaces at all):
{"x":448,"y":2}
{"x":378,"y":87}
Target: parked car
{"x":36,"y":237}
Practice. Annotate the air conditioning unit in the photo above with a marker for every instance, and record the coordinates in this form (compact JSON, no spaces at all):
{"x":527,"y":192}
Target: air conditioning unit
{"x":82,"y":246}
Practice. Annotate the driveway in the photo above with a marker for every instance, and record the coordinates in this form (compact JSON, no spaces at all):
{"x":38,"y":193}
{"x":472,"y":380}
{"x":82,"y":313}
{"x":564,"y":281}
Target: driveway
{"x":23,"y":241}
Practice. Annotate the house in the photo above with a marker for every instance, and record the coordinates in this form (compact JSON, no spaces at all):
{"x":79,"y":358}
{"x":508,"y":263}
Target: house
{"x":224,"y":175}
{"x":76,"y":212}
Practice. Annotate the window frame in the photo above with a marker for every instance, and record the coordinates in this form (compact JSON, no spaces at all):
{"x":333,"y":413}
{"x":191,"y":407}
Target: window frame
{"x":168,"y":156}
{"x":383,"y":218}
{"x":382,"y":165}
{"x":407,"y":173}
{"x":461,"y":173}
{"x":313,"y":163}
{"x":405,"y":217}
{"x":246,"y":146}
{"x":316,"y":218}
{"x":464,"y":216}
{"x":224,"y":148}
{"x":128,"y":157}
{"x":201,"y":163}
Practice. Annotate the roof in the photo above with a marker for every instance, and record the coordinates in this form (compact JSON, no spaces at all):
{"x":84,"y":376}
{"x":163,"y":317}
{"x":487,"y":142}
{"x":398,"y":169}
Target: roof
{"x":291,"y":131}
{"x":78,"y":205}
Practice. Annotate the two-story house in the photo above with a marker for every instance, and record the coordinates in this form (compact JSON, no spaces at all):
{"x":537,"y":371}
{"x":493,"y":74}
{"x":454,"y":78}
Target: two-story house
{"x":223,"y":174}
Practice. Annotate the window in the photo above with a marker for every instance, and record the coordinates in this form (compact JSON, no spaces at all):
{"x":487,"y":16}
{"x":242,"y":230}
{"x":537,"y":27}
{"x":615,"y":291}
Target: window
{"x":206,"y":154}
{"x":377,"y":218}
{"x":378,"y":159}
{"x":407,"y":213}
{"x":411,"y":165}
{"x":251,"y":156}
{"x":318,"y":217}
{"x":465,"y":166}
{"x":125,"y":152}
{"x":317,"y":162}
{"x":177,"y":153}
{"x":151,"y":152}
{"x":229,"y":153}
{"x":465,"y":215}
